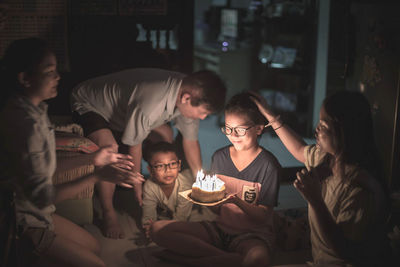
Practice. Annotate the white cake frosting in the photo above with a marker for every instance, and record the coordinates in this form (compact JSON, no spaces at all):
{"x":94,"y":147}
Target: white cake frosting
{"x":207,"y":182}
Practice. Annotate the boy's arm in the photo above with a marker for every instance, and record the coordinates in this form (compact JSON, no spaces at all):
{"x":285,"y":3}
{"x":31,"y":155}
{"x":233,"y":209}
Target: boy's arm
{"x":183,"y":206}
{"x":183,"y":209}
{"x":257,"y":213}
{"x":192,"y":152}
{"x":149,"y":205}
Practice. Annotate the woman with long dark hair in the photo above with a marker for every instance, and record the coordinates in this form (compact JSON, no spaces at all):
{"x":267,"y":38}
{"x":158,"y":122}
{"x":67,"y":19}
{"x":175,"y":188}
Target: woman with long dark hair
{"x":28,"y":76}
{"x":342,"y":183}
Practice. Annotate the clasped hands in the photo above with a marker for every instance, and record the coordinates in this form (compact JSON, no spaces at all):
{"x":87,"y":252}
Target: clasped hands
{"x":309,"y":185}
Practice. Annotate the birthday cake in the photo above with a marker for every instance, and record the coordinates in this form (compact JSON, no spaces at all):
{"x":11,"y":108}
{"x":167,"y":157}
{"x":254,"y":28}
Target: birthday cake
{"x":207,"y":188}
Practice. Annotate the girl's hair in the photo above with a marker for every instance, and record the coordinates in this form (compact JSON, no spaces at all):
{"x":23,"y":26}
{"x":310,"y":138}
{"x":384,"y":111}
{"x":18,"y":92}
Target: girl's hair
{"x":243,"y":105}
{"x":353,"y":135}
{"x":22,"y":55}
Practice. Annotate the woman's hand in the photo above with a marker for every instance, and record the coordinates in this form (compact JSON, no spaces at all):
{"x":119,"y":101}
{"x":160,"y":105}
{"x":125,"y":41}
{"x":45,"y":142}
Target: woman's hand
{"x":263,"y":106}
{"x":116,"y":174}
{"x":107,"y":155}
{"x":309,"y":185}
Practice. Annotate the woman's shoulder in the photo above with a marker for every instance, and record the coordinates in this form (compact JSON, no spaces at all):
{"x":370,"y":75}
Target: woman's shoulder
{"x":18,"y":119}
{"x":314,"y":156}
{"x":358,"y":177}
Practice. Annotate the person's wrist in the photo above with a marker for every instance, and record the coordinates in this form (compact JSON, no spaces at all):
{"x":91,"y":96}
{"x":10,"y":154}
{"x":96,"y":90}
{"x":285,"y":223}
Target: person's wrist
{"x":275,"y":122}
{"x":100,"y":173}
{"x":279,"y":126}
{"x":317,"y":203}
{"x":96,"y":177}
{"x":93,"y":159}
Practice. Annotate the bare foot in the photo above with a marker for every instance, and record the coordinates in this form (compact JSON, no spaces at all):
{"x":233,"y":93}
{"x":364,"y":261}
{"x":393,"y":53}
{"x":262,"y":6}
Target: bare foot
{"x":111,"y":227}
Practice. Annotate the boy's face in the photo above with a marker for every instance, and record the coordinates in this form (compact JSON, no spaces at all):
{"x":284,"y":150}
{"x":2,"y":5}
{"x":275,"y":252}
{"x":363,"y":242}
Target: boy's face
{"x":249,"y":139}
{"x":164,"y":167}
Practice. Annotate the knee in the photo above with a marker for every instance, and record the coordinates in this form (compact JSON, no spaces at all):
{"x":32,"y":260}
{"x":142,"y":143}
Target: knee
{"x":257,"y":256}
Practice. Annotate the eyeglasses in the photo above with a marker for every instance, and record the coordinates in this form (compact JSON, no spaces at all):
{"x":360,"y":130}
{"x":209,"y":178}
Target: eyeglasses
{"x":163,"y":167}
{"x":239,"y":131}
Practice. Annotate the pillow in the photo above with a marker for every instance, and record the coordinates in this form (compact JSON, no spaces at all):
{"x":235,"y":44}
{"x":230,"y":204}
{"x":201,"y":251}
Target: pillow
{"x":72,"y":142}
{"x":65,"y":124}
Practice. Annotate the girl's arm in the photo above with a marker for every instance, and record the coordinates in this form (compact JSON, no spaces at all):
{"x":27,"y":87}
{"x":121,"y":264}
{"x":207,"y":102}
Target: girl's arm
{"x":149,"y":207}
{"x":258,"y":213}
{"x":292,"y":141}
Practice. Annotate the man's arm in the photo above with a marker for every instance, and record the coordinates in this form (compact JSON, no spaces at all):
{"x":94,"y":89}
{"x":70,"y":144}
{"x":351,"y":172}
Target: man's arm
{"x":136,"y":153}
{"x":191,"y":148}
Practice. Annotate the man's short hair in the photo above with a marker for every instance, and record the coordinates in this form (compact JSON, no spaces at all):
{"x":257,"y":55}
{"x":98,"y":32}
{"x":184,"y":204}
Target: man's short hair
{"x":205,"y":87}
{"x":154,"y":148}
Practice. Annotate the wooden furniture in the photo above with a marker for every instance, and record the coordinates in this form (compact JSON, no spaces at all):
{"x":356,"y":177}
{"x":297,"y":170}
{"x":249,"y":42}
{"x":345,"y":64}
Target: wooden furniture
{"x":79,"y":209}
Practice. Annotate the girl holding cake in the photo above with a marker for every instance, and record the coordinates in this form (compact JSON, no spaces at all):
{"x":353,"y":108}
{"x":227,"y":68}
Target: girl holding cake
{"x":242,"y":234}
{"x":346,"y":203}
